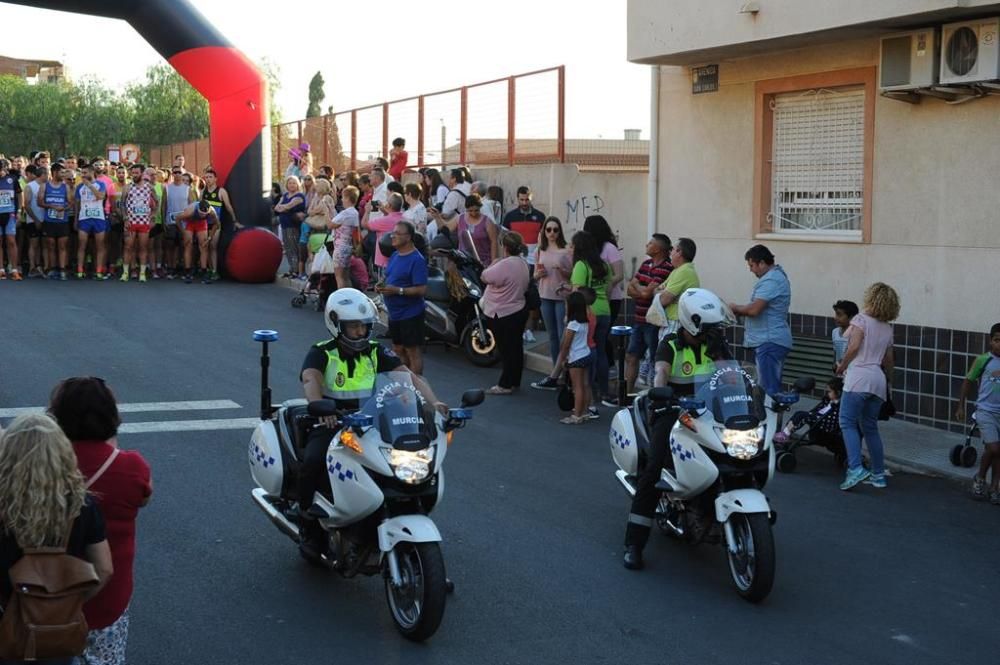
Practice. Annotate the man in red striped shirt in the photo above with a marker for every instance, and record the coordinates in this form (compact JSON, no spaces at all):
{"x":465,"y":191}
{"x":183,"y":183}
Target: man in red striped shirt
{"x":653,"y":272}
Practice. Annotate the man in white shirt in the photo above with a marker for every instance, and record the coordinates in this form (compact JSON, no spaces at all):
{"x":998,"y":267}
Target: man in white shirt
{"x":380,"y":193}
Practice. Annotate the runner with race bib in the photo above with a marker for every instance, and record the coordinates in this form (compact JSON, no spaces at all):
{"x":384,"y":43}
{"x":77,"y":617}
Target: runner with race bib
{"x":140,"y":203}
{"x":56,"y":198}
{"x":91,"y":220}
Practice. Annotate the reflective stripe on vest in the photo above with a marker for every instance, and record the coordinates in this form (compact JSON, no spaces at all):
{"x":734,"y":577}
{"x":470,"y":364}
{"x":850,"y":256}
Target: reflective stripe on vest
{"x":339,"y":383}
{"x":686,"y":368}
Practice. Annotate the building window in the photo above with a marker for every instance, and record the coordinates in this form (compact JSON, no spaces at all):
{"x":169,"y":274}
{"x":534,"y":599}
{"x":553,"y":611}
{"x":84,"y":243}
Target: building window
{"x":818,"y":162}
{"x":814,"y":155}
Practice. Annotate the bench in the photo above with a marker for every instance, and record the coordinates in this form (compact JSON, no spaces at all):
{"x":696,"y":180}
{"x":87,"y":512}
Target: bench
{"x":810,"y":356}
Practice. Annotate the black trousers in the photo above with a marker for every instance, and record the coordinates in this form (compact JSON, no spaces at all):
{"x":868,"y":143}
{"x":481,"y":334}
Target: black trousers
{"x":508,"y":332}
{"x":312,"y":473}
{"x":640,"y":519}
{"x":609,"y":344}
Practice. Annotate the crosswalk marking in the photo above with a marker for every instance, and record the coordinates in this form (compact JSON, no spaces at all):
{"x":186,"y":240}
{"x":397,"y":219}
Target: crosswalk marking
{"x":188,"y":425}
{"x":140,"y":407}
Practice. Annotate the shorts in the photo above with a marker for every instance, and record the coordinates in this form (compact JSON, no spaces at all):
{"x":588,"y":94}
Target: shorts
{"x":407,"y":333}
{"x":643,"y":337}
{"x":171,"y":233}
{"x":92,"y":226}
{"x":342,"y":255}
{"x":33,"y":230}
{"x":989,"y":425}
{"x":140,"y":228}
{"x":581,"y":363}
{"x":9,"y":228}
{"x":55,"y":229}
{"x":199,"y":226}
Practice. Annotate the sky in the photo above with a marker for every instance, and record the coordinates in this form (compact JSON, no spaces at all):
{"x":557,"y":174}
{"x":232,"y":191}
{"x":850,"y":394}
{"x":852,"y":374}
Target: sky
{"x":389,"y":50}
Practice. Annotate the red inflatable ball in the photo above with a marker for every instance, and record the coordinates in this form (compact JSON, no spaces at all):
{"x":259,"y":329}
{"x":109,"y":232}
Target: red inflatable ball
{"x":253,"y":256}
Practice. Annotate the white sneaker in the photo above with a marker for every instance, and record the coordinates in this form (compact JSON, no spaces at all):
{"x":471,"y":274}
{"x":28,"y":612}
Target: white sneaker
{"x":529,"y":336}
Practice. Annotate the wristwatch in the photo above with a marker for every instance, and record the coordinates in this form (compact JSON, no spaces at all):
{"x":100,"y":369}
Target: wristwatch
{"x":401,"y":290}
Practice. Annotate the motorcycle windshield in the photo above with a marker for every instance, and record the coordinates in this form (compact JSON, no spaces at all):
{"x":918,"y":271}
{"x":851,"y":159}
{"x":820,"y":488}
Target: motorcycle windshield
{"x":732,"y":394}
{"x":403,"y":416}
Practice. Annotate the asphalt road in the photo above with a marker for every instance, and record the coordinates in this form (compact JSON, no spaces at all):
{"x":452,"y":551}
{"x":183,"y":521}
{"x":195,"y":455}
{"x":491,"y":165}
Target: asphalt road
{"x":532,"y":520}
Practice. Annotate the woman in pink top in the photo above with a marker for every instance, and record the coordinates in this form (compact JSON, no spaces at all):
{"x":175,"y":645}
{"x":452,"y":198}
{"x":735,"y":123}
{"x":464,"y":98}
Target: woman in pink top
{"x":553,"y":267}
{"x":868,"y":362}
{"x":504,"y":307}
{"x":475,"y":230}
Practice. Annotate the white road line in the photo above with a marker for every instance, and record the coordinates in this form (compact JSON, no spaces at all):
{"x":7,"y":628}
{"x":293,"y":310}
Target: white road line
{"x":140,"y":407}
{"x":188,"y":425}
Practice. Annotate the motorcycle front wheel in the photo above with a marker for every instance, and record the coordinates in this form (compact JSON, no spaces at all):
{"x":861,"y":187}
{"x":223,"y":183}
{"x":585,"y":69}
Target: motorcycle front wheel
{"x":752,"y":564}
{"x":480,"y":346}
{"x":417,"y":605}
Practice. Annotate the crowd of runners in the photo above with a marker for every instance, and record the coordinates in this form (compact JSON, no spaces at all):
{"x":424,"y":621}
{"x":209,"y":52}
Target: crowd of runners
{"x":106,"y":220}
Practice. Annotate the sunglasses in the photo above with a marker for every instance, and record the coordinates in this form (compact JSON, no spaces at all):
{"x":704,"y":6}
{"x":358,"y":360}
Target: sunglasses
{"x":177,"y":172}
{"x":552,"y":229}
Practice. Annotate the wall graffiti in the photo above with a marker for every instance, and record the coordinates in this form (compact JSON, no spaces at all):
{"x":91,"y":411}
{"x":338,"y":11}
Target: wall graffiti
{"x":580,"y":208}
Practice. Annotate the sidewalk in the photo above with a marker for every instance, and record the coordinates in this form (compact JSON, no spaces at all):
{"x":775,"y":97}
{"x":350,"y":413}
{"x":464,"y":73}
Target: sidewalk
{"x":908,"y":447}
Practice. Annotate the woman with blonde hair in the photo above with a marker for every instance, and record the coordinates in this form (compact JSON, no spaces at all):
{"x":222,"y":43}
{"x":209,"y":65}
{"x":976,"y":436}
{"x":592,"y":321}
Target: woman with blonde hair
{"x":44,"y":500}
{"x":291,"y":209}
{"x":868,"y":363}
{"x":321,"y":211}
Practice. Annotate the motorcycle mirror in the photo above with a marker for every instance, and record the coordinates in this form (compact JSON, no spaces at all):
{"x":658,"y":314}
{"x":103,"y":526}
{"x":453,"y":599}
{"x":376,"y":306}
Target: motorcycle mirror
{"x":322,"y":408}
{"x":661,"y":394}
{"x":804,"y":384}
{"x":442,"y":241}
{"x":786,"y":398}
{"x":472,"y":398}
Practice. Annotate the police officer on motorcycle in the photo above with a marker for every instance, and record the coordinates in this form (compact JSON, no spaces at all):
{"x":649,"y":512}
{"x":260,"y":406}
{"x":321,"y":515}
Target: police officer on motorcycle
{"x":342,"y":368}
{"x":681,"y":361}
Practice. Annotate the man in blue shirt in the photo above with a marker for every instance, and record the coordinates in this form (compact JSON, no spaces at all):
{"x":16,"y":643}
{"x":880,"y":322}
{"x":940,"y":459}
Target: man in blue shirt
{"x":766,"y":317}
{"x":404,"y":288}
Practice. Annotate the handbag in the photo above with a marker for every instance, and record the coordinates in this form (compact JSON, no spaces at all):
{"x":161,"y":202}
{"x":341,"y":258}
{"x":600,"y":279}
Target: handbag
{"x":888,"y":409}
{"x":532,"y":299}
{"x":656,"y":315}
{"x":564,"y":398}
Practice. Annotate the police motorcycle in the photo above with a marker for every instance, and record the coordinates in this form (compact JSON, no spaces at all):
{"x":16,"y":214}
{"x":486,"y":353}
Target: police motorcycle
{"x":451,"y":310}
{"x":722,"y":458}
{"x":385,"y":470}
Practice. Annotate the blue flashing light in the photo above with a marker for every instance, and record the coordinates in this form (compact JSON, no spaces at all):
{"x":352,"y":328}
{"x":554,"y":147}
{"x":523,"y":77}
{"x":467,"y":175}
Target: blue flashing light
{"x":265,"y":335}
{"x":621,"y":331}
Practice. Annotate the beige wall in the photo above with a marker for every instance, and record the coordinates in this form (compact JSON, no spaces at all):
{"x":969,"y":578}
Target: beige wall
{"x":566,"y":192}
{"x":659,"y":30}
{"x":936,"y":204}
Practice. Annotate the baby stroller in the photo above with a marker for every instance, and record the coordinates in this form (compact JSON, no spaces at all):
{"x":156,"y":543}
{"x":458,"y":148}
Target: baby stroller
{"x":321,"y":282}
{"x":823,"y":431}
{"x":965,"y":454}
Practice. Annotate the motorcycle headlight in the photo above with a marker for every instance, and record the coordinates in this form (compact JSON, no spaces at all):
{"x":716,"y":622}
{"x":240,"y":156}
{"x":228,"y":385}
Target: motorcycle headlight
{"x":742,"y":444}
{"x":473,"y":289}
{"x":410,"y":466}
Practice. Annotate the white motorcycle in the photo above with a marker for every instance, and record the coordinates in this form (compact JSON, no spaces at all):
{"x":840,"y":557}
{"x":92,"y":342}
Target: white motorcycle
{"x":384,"y":465}
{"x":722,"y":458}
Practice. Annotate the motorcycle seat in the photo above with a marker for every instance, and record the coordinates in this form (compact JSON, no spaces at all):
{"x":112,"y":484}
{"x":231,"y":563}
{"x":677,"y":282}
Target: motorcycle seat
{"x":437,"y":286}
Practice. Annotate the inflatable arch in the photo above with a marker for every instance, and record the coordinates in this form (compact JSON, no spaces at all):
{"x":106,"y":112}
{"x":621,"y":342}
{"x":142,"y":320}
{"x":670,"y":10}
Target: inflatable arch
{"x":235,"y":90}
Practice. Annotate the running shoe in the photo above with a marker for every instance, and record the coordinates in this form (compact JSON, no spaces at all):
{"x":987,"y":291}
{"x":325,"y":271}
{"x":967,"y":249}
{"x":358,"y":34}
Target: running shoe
{"x":529,"y":336}
{"x":3,"y":274}
{"x":80,"y":274}
{"x":188,"y":278}
{"x":853,"y":477}
{"x":877,"y":480}
{"x":995,"y":497}
{"x":573,"y":420}
{"x":16,"y":275}
{"x":593,"y":413}
{"x":206,"y":279}
{"x":214,"y":276}
{"x":142,"y":276}
{"x":979,"y":488}
{"x":101,"y":276}
{"x":62,"y":276}
{"x":124,"y":276}
{"x":157,"y":274}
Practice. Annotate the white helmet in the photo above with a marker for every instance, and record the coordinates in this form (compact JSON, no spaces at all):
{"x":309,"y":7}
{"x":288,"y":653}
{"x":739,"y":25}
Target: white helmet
{"x":349,"y":305}
{"x":700,"y":309}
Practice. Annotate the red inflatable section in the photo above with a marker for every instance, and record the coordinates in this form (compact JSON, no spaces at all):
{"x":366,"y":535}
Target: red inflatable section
{"x":254,"y":256}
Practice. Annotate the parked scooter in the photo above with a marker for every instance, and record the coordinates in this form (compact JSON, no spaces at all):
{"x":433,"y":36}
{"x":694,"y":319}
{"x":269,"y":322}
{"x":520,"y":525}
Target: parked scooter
{"x":721,"y":459}
{"x":384,"y":464}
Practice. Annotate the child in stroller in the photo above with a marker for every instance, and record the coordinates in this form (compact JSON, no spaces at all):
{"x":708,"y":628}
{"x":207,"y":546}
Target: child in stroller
{"x":321,"y":282}
{"x":823,"y":421}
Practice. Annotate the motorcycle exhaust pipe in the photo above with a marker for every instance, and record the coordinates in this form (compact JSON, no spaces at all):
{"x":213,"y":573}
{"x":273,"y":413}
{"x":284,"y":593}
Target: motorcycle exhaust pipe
{"x":279,"y":520}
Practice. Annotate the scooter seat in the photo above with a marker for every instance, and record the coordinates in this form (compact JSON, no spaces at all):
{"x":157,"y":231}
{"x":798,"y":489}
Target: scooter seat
{"x":437,"y":286}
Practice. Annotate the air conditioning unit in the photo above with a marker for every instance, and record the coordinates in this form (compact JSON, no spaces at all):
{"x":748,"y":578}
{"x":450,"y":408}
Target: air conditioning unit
{"x":970,"y":52}
{"x":909,"y":60}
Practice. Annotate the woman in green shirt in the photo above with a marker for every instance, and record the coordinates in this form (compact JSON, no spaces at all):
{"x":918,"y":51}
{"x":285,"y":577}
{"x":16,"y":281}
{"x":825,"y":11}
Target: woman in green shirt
{"x":591,"y":271}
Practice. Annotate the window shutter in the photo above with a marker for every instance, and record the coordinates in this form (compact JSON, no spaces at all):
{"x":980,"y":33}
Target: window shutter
{"x":818,"y":162}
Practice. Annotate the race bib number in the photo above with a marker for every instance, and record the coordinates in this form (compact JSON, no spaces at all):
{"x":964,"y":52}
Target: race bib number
{"x":141,"y":210}
{"x":6,"y":200}
{"x":57,"y":214}
{"x":92,"y":210}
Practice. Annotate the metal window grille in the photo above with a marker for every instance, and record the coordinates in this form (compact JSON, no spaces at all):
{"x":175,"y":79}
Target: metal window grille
{"x":818,"y":162}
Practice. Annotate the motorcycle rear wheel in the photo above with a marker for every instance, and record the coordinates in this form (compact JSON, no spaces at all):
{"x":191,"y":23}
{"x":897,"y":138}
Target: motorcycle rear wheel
{"x":752,"y":566}
{"x":417,"y":606}
{"x":480,"y":346}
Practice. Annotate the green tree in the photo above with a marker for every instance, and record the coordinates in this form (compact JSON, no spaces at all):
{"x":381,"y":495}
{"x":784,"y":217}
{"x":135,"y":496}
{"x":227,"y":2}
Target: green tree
{"x":166,"y":108}
{"x":316,"y":96}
